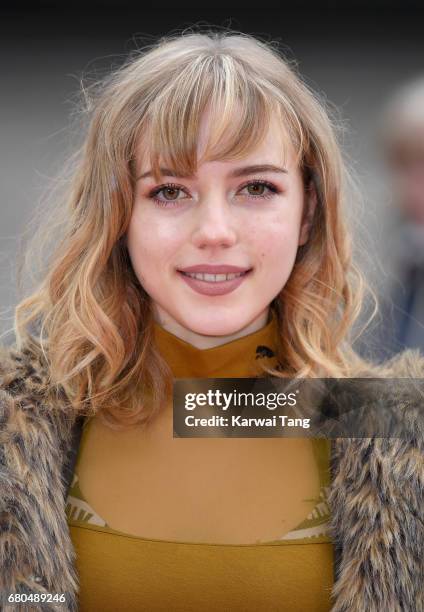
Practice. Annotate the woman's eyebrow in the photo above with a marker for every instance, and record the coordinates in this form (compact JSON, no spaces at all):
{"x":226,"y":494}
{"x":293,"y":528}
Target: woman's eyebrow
{"x":234,"y":173}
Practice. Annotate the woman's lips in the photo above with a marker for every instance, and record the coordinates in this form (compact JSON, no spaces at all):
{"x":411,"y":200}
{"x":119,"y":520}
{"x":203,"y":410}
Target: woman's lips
{"x":214,"y":288}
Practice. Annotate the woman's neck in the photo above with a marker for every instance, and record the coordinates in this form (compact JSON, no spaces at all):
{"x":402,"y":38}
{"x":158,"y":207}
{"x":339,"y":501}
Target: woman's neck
{"x":202,"y":341}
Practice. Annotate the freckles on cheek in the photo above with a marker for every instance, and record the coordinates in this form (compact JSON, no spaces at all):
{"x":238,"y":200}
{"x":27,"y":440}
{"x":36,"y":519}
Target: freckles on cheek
{"x":285,"y":237}
{"x":151,"y":242}
{"x":277,"y":253}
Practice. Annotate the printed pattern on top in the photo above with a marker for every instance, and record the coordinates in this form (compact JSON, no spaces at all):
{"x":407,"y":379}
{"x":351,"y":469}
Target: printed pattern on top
{"x":316,"y":524}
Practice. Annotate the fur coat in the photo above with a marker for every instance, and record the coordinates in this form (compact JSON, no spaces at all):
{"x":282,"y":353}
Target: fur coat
{"x":376,"y":497}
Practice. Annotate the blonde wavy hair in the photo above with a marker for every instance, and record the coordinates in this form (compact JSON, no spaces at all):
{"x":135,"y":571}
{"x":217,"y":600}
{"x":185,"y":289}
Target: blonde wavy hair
{"x":90,"y":317}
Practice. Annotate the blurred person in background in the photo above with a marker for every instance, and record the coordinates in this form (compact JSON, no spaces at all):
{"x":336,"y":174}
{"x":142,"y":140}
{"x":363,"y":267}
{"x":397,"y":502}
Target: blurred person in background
{"x":403,"y":146}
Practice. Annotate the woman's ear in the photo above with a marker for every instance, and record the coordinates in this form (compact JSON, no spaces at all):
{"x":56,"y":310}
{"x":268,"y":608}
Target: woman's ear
{"x":310,"y":205}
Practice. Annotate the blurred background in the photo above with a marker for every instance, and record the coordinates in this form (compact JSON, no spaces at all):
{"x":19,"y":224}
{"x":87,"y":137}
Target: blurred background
{"x":361,"y":57}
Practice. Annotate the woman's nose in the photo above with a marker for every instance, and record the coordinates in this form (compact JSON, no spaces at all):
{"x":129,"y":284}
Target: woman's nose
{"x":215,"y":224}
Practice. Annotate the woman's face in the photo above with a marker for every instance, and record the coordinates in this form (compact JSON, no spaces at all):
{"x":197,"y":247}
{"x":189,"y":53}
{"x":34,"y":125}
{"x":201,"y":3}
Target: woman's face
{"x":229,"y":214}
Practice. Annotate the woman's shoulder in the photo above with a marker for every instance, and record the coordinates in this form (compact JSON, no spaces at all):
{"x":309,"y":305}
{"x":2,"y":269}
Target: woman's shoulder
{"x":408,"y":363}
{"x":23,"y":371}
{"x":389,"y":398}
{"x":27,"y":404}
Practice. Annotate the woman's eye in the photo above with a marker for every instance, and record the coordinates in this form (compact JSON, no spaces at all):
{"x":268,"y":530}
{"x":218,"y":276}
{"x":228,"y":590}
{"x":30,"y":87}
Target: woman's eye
{"x":260,"y":189}
{"x":170,"y":193}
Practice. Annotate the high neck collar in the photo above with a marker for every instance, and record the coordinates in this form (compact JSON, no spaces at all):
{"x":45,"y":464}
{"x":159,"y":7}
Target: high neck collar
{"x":235,"y":359}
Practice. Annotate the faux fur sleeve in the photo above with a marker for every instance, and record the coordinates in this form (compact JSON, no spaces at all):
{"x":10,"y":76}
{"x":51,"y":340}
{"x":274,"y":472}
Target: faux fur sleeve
{"x":36,"y":555}
{"x":377,"y":502}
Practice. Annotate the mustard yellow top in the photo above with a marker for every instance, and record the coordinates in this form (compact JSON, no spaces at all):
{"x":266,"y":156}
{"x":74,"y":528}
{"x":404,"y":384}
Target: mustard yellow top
{"x":149,"y":536}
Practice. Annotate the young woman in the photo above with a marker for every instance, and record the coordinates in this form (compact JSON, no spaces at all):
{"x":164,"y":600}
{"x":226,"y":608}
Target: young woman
{"x":203,"y":236}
